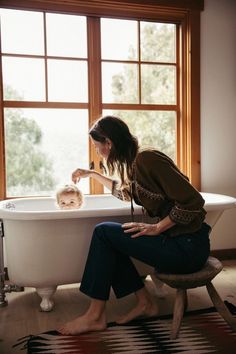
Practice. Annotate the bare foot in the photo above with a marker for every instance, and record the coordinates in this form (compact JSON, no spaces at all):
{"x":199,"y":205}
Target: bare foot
{"x":142,"y":310}
{"x":83,"y":324}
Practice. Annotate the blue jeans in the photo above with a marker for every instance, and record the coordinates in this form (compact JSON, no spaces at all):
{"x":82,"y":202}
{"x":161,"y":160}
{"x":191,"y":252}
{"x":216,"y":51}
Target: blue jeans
{"x":109,"y":264}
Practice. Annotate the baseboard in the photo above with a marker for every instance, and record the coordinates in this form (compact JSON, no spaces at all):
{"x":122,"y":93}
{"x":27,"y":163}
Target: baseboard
{"x":224,"y":254}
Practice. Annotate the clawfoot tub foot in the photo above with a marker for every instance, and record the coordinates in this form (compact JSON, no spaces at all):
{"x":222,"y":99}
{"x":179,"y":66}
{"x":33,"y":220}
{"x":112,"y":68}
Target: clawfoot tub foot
{"x":46,"y":294}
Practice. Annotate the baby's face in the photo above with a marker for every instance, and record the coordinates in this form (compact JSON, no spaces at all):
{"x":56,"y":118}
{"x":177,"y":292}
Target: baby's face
{"x":69,"y":201}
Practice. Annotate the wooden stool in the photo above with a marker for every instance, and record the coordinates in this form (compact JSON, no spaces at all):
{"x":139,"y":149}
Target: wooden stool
{"x":182,"y":282}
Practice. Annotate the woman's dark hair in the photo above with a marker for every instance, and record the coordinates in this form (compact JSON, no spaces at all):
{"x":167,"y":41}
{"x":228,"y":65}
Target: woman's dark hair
{"x":124,"y":145}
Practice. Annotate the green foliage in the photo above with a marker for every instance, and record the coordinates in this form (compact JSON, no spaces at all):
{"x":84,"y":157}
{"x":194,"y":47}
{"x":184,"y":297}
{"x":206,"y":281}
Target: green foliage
{"x":153,"y":128}
{"x":28,"y":168}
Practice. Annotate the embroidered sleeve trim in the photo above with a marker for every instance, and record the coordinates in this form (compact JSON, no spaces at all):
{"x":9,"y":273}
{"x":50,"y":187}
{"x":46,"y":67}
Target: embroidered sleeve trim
{"x":183,"y":216}
{"x":147,"y":193}
{"x":120,"y":194}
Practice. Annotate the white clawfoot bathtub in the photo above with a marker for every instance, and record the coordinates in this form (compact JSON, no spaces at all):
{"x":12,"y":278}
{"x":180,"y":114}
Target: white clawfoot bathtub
{"x":46,"y":247}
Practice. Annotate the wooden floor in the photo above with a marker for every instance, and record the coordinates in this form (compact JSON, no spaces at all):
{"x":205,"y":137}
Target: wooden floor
{"x":22,"y":315}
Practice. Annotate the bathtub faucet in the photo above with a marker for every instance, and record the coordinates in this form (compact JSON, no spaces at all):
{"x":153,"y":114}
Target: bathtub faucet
{"x":10,"y":206}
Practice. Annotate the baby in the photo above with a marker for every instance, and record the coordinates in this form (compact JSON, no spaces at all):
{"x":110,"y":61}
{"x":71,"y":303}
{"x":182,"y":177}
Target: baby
{"x":69,"y":197}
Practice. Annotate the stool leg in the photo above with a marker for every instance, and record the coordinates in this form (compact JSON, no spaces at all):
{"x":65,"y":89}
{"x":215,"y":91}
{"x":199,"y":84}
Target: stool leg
{"x":159,"y":290}
{"x":220,"y":306}
{"x":179,"y":307}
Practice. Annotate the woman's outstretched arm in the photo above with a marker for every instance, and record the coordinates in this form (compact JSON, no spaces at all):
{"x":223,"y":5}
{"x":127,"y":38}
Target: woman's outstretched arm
{"x":83,"y":173}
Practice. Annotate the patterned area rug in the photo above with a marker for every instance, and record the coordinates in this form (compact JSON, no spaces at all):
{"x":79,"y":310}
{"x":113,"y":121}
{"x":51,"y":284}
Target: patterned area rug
{"x":202,"y":331}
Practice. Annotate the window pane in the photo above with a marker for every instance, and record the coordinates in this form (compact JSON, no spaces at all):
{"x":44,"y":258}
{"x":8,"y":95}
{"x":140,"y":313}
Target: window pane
{"x":119,"y":39}
{"x":158,"y":42}
{"x":155,"y":129}
{"x":43,"y":148}
{"x":22,"y":32}
{"x":66,"y":35}
{"x":119,"y":83}
{"x":25,"y":77}
{"x":67,"y":81}
{"x":158,"y":84}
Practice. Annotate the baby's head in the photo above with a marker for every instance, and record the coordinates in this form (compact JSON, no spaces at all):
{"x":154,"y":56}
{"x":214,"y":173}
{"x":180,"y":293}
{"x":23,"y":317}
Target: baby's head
{"x":69,"y":197}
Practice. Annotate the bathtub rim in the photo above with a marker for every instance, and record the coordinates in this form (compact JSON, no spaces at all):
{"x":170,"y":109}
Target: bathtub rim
{"x":223,"y":202}
{"x":12,"y":214}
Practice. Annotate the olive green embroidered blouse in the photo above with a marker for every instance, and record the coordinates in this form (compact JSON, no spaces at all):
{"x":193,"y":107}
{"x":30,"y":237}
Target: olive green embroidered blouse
{"x":160,"y":187}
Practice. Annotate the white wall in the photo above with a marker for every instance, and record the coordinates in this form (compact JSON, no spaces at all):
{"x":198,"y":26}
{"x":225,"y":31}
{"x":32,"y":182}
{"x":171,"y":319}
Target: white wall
{"x":218,"y":111}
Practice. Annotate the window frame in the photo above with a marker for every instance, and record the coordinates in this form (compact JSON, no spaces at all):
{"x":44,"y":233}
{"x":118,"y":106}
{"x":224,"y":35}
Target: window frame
{"x":184,"y":13}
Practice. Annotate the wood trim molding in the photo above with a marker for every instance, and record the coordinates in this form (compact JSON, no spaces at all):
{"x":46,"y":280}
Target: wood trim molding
{"x":135,"y":8}
{"x":185,"y":4}
{"x":193,"y":144}
{"x":2,"y":148}
{"x":189,"y":127}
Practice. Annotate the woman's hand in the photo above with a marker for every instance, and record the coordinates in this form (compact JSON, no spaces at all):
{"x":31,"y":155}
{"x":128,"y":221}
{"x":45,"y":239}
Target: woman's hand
{"x":80,"y":173}
{"x":141,"y":229}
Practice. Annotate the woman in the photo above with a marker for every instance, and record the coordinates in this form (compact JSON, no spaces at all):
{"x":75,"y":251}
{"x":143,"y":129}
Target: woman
{"x":178,"y":241}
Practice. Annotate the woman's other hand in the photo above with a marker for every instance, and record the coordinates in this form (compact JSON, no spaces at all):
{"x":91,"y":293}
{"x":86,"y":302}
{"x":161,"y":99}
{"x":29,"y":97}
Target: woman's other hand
{"x":80,"y":173}
{"x":141,"y":229}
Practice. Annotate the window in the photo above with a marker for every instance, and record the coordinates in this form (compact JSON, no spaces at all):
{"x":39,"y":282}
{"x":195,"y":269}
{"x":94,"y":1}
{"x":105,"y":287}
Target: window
{"x":62,"y":70}
{"x":139,"y":69}
{"x":43,"y":144}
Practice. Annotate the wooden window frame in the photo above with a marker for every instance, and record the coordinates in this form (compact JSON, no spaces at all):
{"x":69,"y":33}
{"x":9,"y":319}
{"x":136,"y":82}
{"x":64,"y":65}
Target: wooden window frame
{"x":185,"y":13}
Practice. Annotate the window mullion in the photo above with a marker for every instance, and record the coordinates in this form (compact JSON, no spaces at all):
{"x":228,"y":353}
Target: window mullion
{"x":139,"y":65}
{"x":179,"y":88}
{"x":95,"y":90}
{"x":45,"y":53}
